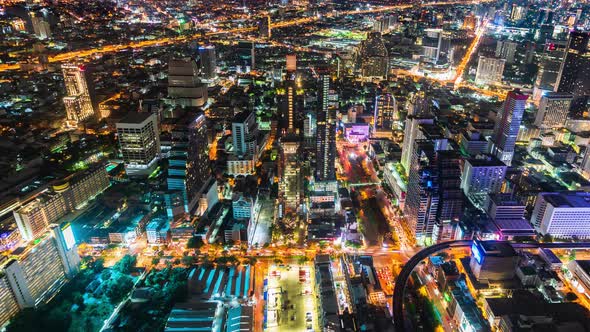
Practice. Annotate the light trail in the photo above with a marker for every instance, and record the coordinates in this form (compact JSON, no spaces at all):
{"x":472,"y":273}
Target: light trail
{"x":183,"y":39}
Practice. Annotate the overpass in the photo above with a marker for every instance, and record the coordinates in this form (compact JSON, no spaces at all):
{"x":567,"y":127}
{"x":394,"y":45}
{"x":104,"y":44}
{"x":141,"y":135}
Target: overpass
{"x":402,"y":278}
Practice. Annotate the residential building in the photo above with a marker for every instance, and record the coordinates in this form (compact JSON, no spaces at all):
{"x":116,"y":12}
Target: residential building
{"x":553,"y":110}
{"x":489,"y":70}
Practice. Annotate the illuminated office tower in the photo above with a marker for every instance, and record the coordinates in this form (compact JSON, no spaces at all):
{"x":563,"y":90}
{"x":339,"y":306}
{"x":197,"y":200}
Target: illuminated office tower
{"x":245,"y":56}
{"x":244,"y":134}
{"x":507,"y":125}
{"x":549,"y":65}
{"x":553,"y":110}
{"x":411,"y":132}
{"x":290,"y":186}
{"x":574,"y":74}
{"x":506,"y":49}
{"x":326,"y":132}
{"x":385,"y":115}
{"x":264,"y":29}
{"x":41,"y":27}
{"x":184,"y":84}
{"x":139,"y":142}
{"x":80,"y":101}
{"x":290,"y":102}
{"x":434,"y":199}
{"x":188,"y":164}
{"x":208,"y":62}
{"x":489,"y":70}
{"x":374,"y":60}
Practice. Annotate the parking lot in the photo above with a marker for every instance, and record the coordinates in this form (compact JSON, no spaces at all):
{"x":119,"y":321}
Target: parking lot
{"x":291,"y":304}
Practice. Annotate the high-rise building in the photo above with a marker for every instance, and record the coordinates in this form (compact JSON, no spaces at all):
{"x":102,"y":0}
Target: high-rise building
{"x":482,"y":176}
{"x":411,"y":133}
{"x":290,"y":102}
{"x":208,"y":62}
{"x":508,"y":121}
{"x":326,"y":132}
{"x":574,"y":74}
{"x":65,"y":196}
{"x":374,"y":60}
{"x":506,"y":49}
{"x":139,"y":141}
{"x":41,"y":27}
{"x":504,"y":206}
{"x":489,"y":70}
{"x":188,"y":164}
{"x":385,"y":115}
{"x":67,"y":248}
{"x":264,"y":29}
{"x":245,"y":56}
{"x":553,"y":110}
{"x":184,"y":84}
{"x":434,"y":199}
{"x":549,"y":65}
{"x":244,"y":134}
{"x":431,"y":43}
{"x":36,"y":271}
{"x":562,"y":214}
{"x":80,"y":101}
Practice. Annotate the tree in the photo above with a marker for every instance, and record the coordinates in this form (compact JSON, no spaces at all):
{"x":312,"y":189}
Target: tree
{"x":118,"y":288}
{"x":125,"y":264}
{"x":155,"y":260}
{"x":188,"y":260}
{"x":194,"y":242}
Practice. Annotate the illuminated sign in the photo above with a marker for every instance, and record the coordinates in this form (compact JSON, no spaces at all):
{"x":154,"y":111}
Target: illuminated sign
{"x":69,"y":237}
{"x":476,"y":253}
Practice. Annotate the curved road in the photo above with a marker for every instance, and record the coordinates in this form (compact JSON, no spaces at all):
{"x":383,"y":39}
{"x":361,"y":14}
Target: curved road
{"x":402,"y":279}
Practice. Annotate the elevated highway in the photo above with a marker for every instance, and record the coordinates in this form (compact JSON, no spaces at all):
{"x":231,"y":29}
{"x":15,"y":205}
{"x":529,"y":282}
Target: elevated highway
{"x":402,"y":279}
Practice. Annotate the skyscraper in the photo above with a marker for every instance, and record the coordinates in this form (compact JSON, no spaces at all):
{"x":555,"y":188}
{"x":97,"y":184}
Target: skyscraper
{"x":574,"y":74}
{"x":245,"y":56}
{"x":264,"y":29}
{"x":197,"y":166}
{"x":80,"y":101}
{"x":290,"y":103}
{"x":482,"y":176}
{"x":507,"y":125}
{"x":208,"y":61}
{"x":188,"y":164}
{"x":244,"y":134}
{"x":184,"y":85}
{"x":326,"y":132}
{"x":431,"y":44}
{"x":549,"y":65}
{"x":41,"y":27}
{"x":385,"y":115}
{"x":489,"y":70}
{"x":506,"y":49}
{"x":411,"y":131}
{"x":434,"y":199}
{"x":553,"y":110}
{"x":374,"y":60}
{"x":139,"y":142}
